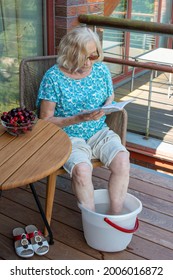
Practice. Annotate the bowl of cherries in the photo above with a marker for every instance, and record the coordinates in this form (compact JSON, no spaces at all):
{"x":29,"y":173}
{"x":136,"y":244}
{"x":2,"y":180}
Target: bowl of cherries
{"x":18,"y":121}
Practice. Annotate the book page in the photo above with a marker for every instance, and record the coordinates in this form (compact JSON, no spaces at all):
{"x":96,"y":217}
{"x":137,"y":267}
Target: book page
{"x":118,"y":106}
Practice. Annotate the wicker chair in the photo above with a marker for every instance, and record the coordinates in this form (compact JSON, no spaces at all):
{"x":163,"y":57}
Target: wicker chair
{"x":31,"y":74}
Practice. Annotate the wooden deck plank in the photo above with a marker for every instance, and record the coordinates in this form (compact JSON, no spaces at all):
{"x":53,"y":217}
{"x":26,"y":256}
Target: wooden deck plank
{"x":150,"y":250}
{"x":153,"y":240}
{"x":153,"y":203}
{"x":157,"y":235}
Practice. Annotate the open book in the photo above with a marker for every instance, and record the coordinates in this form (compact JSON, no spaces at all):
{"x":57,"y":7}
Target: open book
{"x":118,"y":106}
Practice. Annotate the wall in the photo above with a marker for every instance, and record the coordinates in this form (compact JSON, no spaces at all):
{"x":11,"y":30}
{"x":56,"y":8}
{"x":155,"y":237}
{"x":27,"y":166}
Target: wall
{"x":67,"y":11}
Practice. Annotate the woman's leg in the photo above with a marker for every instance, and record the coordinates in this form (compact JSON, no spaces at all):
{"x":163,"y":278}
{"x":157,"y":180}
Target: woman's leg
{"x":82,"y":185}
{"x":79,"y":167}
{"x":118,"y":181}
{"x":107,"y":146}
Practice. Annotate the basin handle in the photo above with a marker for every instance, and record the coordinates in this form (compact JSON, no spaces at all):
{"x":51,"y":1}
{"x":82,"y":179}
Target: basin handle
{"x":121,"y":228}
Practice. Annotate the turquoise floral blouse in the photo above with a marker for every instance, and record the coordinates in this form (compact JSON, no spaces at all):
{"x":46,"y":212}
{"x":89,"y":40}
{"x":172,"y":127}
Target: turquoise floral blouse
{"x":74,"y":96}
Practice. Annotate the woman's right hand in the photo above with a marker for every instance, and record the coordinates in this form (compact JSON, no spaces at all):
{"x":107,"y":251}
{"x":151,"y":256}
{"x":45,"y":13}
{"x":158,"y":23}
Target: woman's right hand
{"x":96,"y":115}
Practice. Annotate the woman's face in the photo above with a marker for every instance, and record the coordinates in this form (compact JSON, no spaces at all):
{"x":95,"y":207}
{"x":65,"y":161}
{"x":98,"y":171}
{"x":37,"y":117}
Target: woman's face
{"x":91,"y":57}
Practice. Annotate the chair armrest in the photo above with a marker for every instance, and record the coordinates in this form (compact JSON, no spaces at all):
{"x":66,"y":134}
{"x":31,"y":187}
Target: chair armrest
{"x":117,"y":121}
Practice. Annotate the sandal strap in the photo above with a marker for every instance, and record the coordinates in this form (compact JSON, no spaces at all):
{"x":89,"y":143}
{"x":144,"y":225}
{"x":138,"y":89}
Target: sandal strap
{"x":21,"y":236}
{"x":35,"y":233}
{"x":24,"y":243}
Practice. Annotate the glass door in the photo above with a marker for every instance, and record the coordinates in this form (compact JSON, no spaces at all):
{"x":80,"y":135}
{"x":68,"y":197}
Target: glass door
{"x":21,"y":35}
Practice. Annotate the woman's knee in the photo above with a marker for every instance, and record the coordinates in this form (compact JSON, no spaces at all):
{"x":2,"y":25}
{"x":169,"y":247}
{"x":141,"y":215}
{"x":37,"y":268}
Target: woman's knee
{"x":82,"y":171}
{"x":120,"y":163}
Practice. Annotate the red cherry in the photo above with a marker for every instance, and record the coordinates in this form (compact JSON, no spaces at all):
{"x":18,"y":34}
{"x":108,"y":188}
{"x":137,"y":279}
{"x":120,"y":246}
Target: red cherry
{"x":12,"y":121}
{"x":15,"y":119}
{"x":22,"y":118}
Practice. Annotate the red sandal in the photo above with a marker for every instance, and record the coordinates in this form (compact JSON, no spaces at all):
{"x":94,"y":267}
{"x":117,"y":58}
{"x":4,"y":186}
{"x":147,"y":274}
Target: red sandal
{"x":38,"y":241}
{"x":22,"y":246}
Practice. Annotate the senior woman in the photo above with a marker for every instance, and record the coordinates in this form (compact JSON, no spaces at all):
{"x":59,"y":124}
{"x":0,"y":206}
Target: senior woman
{"x":80,"y":81}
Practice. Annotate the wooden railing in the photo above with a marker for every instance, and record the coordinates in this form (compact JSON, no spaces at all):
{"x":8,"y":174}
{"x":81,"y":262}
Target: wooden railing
{"x":127,"y":24}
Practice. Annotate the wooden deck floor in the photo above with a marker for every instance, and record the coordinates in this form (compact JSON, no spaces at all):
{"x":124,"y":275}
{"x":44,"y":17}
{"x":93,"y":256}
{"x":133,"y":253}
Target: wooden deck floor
{"x":152,"y":241}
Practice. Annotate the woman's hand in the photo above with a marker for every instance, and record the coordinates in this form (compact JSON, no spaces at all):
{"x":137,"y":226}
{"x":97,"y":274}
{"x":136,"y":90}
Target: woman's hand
{"x":96,"y":115}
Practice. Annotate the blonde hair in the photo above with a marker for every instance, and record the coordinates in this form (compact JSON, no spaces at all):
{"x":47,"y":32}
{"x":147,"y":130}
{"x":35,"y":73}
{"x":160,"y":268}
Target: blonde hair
{"x":72,"y":48}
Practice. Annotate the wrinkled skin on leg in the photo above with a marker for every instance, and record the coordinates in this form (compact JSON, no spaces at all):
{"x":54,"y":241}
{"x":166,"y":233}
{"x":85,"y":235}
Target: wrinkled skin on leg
{"x":117,"y":186}
{"x":82,"y":185}
{"x":118,"y":181}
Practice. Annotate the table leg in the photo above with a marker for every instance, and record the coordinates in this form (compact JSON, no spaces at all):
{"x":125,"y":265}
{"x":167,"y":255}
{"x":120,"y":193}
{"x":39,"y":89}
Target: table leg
{"x":47,"y":224}
{"x":149,"y":106}
{"x":51,"y":186}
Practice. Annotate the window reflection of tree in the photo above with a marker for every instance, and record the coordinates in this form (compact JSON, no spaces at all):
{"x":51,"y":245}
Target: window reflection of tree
{"x":20,"y":34}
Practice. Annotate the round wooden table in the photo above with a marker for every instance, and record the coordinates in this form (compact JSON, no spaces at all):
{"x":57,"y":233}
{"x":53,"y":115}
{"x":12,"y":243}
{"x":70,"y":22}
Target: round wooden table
{"x":33,"y":156}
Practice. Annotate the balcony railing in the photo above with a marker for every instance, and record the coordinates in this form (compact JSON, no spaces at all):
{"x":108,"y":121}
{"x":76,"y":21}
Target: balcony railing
{"x":149,"y":29}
